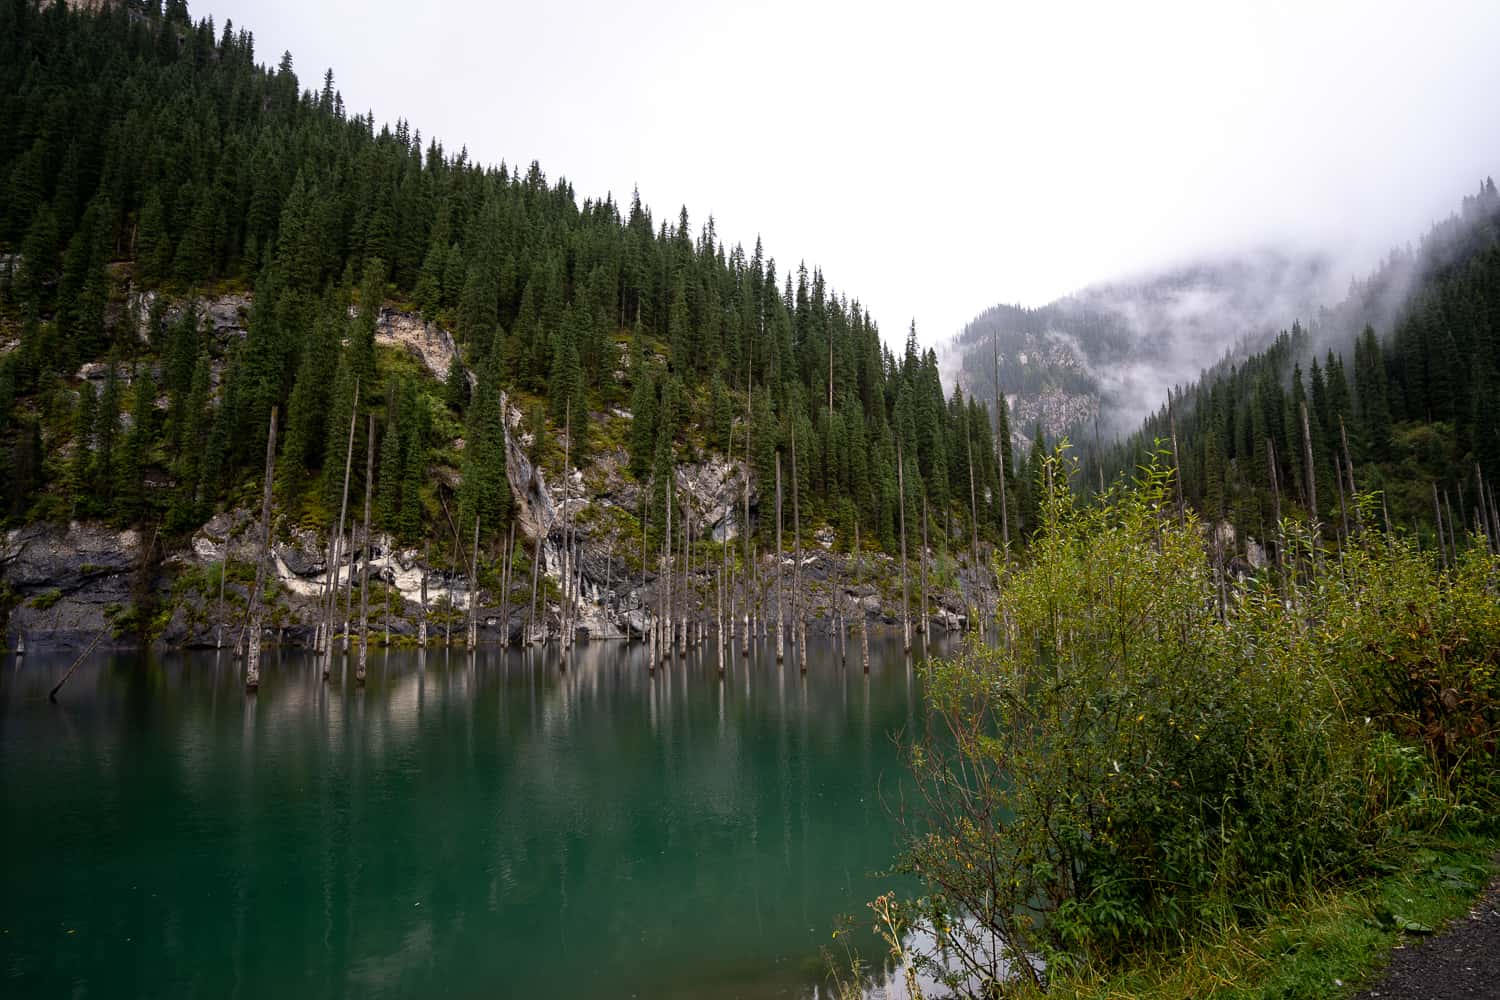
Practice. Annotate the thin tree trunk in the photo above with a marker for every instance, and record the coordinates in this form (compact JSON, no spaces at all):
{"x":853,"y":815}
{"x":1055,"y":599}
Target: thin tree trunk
{"x":1275,"y":497}
{"x":536,"y":566}
{"x":646,"y":623}
{"x":1494,"y":516}
{"x":510,"y":565}
{"x":52,"y":695}
{"x":333,"y":584}
{"x":973,"y":531}
{"x":1349,"y":470}
{"x":422,"y":625}
{"x":1312,"y":476}
{"x":1000,"y":447}
{"x":349,"y":587}
{"x":566,"y":609}
{"x":364,"y":563}
{"x":1452,"y":528}
{"x":680,"y":635}
{"x":799,"y":607}
{"x":666,"y":548}
{"x":252,"y":656}
{"x":780,"y":625}
{"x":750,"y":577}
{"x":924,"y":615}
{"x":223,"y":572}
{"x":1338,"y":476}
{"x":1437,"y":510}
{"x":473,"y":638}
{"x":859,"y":600}
{"x":905,"y":598}
{"x":719,"y":637}
{"x":1177,"y":485}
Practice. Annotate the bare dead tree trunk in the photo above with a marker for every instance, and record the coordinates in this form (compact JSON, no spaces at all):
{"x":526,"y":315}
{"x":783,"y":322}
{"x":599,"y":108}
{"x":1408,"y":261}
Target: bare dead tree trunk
{"x":666,"y":549}
{"x":349,"y":586}
{"x":1312,"y":475}
{"x":1000,"y":447}
{"x":223,"y":572}
{"x":422,"y":625}
{"x":52,"y":695}
{"x":799,"y":607}
{"x":1338,"y":476}
{"x":1437,"y":510}
{"x":1177,"y":485}
{"x":510,"y":565}
{"x":719,"y":637}
{"x":924,"y":615}
{"x":1275,"y":498}
{"x":1349,"y":470}
{"x":750,"y":576}
{"x":536,"y":566}
{"x":973,"y":532}
{"x":1494,"y":515}
{"x":680,"y":634}
{"x":364,"y":563}
{"x":905,"y":598}
{"x":333,"y":582}
{"x":565,"y":610}
{"x":780,"y":627}
{"x":471,"y":634}
{"x":331,"y":598}
{"x":252,"y":655}
{"x":859,"y":584}
{"x":1452,"y":528}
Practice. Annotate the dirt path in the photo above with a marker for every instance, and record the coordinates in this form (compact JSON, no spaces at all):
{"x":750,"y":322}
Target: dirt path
{"x":1461,"y":962}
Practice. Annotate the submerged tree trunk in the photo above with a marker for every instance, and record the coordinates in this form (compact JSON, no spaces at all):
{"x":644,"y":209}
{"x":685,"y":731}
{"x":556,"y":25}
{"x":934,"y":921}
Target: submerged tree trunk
{"x":924,"y":618}
{"x":510,"y":575}
{"x":422,"y":625}
{"x":536,"y":566}
{"x":364,"y":562}
{"x":905,"y":599}
{"x":252,"y":656}
{"x":473,"y":634}
{"x":750,"y":579}
{"x":859,"y":600}
{"x":780,"y":626}
{"x":666,"y":552}
{"x":332,"y":600}
{"x":799,"y":607}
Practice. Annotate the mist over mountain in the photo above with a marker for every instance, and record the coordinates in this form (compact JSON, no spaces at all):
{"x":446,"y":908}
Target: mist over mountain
{"x":1099,"y":360}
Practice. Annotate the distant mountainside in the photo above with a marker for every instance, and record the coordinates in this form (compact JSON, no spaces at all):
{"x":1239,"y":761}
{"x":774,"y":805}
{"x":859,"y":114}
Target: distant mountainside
{"x":1100,"y":360}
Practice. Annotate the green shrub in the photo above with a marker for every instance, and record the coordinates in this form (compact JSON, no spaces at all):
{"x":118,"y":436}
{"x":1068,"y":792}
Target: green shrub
{"x":46,"y":599}
{"x":1139,"y":760}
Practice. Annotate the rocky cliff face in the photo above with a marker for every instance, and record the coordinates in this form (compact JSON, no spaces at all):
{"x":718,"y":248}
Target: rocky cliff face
{"x":63,"y":584}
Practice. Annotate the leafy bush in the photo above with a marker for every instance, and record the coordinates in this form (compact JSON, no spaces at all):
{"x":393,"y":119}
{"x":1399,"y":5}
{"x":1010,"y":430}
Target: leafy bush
{"x":46,"y":599}
{"x":1146,"y":755}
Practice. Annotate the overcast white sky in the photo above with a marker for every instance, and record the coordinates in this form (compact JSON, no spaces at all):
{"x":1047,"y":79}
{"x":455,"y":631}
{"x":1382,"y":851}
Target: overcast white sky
{"x":936,"y":158}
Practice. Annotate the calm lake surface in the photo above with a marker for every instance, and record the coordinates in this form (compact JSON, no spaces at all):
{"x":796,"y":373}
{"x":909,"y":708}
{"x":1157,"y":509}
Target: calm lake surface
{"x":465,"y":825}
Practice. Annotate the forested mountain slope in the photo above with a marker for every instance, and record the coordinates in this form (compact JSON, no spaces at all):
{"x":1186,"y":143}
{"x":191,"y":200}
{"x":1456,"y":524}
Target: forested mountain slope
{"x":1399,"y":385}
{"x":143,"y":152}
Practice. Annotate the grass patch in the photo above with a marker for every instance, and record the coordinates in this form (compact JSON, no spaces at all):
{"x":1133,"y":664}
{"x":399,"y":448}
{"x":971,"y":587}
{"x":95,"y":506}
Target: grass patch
{"x":1330,"y":942}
